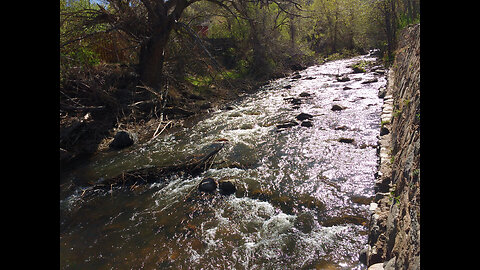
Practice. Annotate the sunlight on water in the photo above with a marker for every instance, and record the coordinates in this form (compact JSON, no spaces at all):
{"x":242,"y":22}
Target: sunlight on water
{"x":294,"y":205}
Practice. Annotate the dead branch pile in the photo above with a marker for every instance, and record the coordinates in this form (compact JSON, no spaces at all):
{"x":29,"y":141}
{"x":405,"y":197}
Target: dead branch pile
{"x":194,"y":165}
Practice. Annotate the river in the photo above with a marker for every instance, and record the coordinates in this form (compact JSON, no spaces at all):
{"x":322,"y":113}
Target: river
{"x":302,"y":191}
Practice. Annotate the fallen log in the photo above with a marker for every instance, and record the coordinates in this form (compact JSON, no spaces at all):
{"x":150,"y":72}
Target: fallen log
{"x":193,"y":166}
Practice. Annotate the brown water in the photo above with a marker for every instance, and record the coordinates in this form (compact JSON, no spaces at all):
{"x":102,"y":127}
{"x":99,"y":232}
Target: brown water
{"x":302,"y":198}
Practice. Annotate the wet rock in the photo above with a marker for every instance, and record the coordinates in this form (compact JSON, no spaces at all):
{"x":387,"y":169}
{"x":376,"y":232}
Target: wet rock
{"x":343,"y":79}
{"x":390,"y":265}
{"x":379,"y":72}
{"x":370,"y":81}
{"x":293,"y":101}
{"x":227,"y":186}
{"x":336,"y":107}
{"x":228,"y":108}
{"x":361,"y":199}
{"x":207,"y":185}
{"x":357,"y":69}
{"x":306,"y":124}
{"x":123,"y":139}
{"x":287,"y":86}
{"x":298,"y":76}
{"x":363,"y":256}
{"x":304,"y":222}
{"x":235,"y":114}
{"x":287,"y":124}
{"x":341,"y":128}
{"x":309,"y":78}
{"x":246,"y":126}
{"x":305,"y":94}
{"x":382,"y":92}
{"x":384,"y":131}
{"x":304,"y":116}
{"x":347,"y":88}
{"x":296,"y":101}
{"x":346,"y":140}
{"x":374,"y":52}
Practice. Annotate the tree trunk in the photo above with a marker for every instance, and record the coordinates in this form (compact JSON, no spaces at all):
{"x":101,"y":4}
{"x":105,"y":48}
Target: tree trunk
{"x":390,"y":25}
{"x":293,"y":32}
{"x":152,"y":57}
{"x":259,"y":64}
{"x":335,"y":30}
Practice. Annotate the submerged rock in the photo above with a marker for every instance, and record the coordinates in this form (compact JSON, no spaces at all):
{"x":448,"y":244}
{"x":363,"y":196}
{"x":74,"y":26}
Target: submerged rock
{"x":207,"y":185}
{"x":123,"y":139}
{"x":358,"y":69}
{"x":305,"y":94}
{"x":287,"y":124}
{"x":370,"y":81}
{"x":293,"y":101}
{"x":346,"y":140}
{"x":228,"y":108}
{"x":306,"y":124}
{"x":227,"y":186}
{"x":343,"y":79}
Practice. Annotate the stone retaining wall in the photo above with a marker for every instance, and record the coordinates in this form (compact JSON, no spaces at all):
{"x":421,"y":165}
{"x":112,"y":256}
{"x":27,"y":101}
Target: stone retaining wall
{"x":394,"y":229}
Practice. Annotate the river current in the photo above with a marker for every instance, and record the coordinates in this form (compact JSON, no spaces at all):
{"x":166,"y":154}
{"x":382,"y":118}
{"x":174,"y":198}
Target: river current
{"x":302,"y":191}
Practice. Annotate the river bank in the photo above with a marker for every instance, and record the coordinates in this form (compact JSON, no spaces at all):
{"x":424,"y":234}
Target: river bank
{"x":88,"y":130}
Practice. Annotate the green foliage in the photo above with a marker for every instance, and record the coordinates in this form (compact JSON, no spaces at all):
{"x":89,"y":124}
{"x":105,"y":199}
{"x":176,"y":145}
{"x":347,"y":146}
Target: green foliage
{"x":397,"y":113}
{"x":394,"y":199}
{"x":404,"y":20}
{"x":82,"y":56}
{"x":382,"y":123}
{"x":361,"y":66}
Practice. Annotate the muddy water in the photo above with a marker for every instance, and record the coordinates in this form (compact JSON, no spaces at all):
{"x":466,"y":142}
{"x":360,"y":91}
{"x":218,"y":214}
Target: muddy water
{"x":302,"y":198}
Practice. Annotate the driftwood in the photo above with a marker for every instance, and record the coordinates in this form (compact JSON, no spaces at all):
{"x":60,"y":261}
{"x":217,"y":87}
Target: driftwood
{"x":193,"y":165}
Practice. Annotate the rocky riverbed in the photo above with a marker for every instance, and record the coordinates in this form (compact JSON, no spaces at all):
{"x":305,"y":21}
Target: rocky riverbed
{"x":301,"y":153}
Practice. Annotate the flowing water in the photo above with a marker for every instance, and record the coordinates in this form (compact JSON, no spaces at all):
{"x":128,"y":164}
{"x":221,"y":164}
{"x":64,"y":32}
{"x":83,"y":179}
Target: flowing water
{"x":302,"y":192}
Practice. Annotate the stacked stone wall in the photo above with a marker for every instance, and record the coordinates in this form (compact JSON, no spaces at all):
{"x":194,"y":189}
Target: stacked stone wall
{"x":394,"y":231}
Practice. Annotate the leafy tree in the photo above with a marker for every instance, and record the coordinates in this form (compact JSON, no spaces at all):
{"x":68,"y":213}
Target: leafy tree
{"x":150,"y":22}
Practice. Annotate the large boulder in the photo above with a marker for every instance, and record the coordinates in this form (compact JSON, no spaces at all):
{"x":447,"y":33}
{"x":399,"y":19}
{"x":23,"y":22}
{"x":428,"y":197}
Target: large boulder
{"x":123,"y":139}
{"x":207,"y":185}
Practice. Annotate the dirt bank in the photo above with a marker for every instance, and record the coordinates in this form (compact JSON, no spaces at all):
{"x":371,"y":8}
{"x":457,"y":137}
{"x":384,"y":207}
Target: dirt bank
{"x":94,"y":105}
